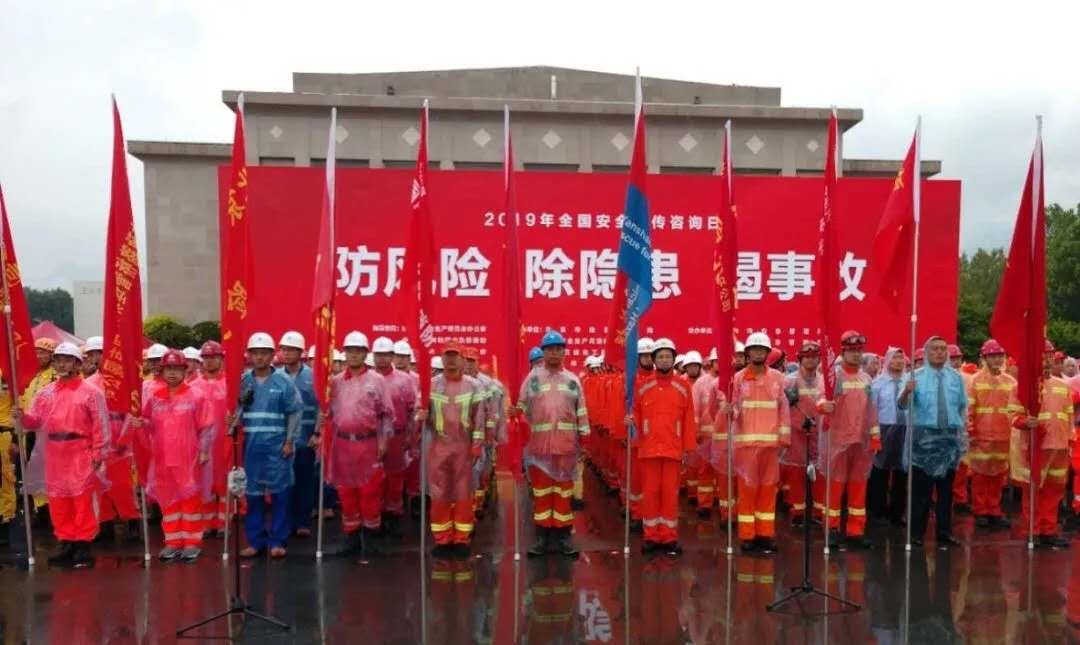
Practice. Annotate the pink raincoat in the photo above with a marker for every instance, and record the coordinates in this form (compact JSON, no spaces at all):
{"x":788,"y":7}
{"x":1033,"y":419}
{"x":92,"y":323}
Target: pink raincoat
{"x":221,"y":449}
{"x":809,"y":392}
{"x":853,"y":427}
{"x":361,"y":411}
{"x":119,"y":438}
{"x":73,"y":432}
{"x":403,"y":397}
{"x":455,"y":430}
{"x":554,"y":407}
{"x":179,"y":425}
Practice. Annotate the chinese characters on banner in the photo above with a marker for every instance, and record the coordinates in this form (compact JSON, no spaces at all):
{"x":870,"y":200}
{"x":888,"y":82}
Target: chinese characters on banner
{"x":568,"y":231}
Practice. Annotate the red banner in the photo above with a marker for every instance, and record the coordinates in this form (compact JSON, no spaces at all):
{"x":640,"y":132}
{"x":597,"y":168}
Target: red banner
{"x":123,"y":330}
{"x":567,"y":239}
{"x":237,"y":265}
{"x":22,"y":339}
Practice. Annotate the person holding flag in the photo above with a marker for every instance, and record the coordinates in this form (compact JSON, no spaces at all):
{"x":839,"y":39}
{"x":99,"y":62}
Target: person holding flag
{"x":72,"y":421}
{"x":1053,"y":429}
{"x":553,"y":404}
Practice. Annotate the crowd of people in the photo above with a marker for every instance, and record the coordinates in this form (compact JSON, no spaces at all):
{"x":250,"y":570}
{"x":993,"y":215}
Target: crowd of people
{"x":739,"y":448}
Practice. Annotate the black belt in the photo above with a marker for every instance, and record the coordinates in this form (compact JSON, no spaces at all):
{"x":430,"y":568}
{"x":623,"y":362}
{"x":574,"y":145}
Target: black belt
{"x":4,"y":429}
{"x":356,"y":436}
{"x":66,"y":436}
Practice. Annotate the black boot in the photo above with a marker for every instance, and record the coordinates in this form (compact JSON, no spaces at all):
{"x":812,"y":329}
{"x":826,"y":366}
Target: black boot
{"x":370,"y":539}
{"x":414,"y":507}
{"x":81,"y":557}
{"x":540,"y":548}
{"x":563,"y":544}
{"x":348,"y":545}
{"x":134,"y":531}
{"x":5,"y":530}
{"x":62,"y":557}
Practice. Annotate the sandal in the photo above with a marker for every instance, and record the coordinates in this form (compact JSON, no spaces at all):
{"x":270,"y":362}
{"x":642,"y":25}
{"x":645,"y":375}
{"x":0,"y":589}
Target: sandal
{"x":277,"y":552}
{"x":250,"y":552}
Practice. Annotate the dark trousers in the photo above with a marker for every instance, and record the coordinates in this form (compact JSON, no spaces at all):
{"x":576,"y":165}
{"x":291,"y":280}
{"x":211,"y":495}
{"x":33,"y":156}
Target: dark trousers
{"x":923,"y":488}
{"x":886,"y":494}
{"x":305,"y":489}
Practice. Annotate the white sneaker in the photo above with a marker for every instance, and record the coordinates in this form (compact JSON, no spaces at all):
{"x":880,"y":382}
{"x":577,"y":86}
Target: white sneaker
{"x":190,"y":553}
{"x":169,"y":553}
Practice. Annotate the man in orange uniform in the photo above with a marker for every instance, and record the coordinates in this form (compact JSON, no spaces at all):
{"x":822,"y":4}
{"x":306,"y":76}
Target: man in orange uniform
{"x":705,"y":395}
{"x":454,"y":437}
{"x":664,"y":411}
{"x":804,"y":388}
{"x":617,"y":402}
{"x":1053,"y":428}
{"x":554,"y":407}
{"x":689,"y":366}
{"x":853,"y":437}
{"x":762,"y":427}
{"x":961,"y":499}
{"x":992,"y":404}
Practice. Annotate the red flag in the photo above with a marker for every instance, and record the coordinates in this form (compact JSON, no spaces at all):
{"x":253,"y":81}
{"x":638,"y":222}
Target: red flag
{"x":512,"y":285}
{"x":24,"y":363}
{"x":416,"y":277}
{"x":725,"y":261}
{"x":827,"y":262}
{"x":1019,"y":319}
{"x":894,"y":241}
{"x":322,"y":297}
{"x":120,"y":374}
{"x":236,"y":265}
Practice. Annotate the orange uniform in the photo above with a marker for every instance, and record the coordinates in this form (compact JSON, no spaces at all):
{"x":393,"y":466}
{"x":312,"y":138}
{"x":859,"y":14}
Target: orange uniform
{"x":853,"y":437}
{"x":664,"y":412}
{"x":711,"y":444}
{"x":762,"y":427}
{"x":1052,"y":439}
{"x":992,"y":404}
{"x":963,"y":469}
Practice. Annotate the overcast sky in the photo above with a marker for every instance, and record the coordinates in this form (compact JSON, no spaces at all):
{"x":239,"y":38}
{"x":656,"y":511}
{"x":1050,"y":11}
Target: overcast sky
{"x":977,"y":75}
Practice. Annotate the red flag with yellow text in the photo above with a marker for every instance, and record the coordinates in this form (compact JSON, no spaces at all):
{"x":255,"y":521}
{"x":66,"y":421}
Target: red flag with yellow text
{"x":827,"y":262}
{"x":22,"y":338}
{"x":236,"y":264}
{"x":322,"y":297}
{"x":725,"y":261}
{"x":121,"y":377}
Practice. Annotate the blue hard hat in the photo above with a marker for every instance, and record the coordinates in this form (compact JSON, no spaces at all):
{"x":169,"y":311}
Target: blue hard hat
{"x":552,"y":337}
{"x":535,"y":354}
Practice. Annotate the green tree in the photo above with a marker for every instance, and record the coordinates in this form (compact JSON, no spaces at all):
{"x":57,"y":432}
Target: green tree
{"x":1063,"y":262}
{"x":206,"y":330}
{"x":168,"y":332}
{"x":51,"y":304}
{"x":980,"y":278}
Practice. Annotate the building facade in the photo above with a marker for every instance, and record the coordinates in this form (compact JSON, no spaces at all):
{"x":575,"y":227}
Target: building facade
{"x":563,"y":120}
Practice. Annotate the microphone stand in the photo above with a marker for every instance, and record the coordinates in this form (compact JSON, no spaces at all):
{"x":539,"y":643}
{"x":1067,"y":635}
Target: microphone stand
{"x":806,"y":588}
{"x":237,"y":604}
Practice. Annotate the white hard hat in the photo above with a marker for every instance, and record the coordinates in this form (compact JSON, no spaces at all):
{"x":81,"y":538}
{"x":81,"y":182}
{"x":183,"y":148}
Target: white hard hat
{"x":356,"y":339}
{"x":679,"y":359}
{"x":369,"y":360}
{"x":590,"y":361}
{"x":311,"y":352}
{"x":192,"y":354}
{"x":401,"y":348}
{"x":383,"y":345}
{"x":645,"y":345}
{"x":261,"y":340}
{"x":436,"y":362}
{"x":95,"y":344}
{"x":663,"y":343}
{"x":292,"y":339}
{"x":739,"y":347}
{"x":68,"y":349}
{"x":712,"y":354}
{"x":691,"y":357}
{"x":758,"y":339}
{"x":157,"y":350}
{"x":339,"y":355}
{"x":412,"y":356}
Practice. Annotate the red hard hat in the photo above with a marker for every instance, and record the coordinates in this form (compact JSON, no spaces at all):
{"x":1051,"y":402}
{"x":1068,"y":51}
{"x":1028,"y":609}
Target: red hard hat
{"x":775,"y":354}
{"x":809,"y":348}
{"x":211,"y":348}
{"x":991,"y":347}
{"x":954,"y":352}
{"x":1059,"y":356}
{"x":472,"y":353}
{"x":452,"y":346}
{"x":920,"y":354}
{"x":173,"y":358}
{"x":852,"y":339}
{"x":1049,"y":346}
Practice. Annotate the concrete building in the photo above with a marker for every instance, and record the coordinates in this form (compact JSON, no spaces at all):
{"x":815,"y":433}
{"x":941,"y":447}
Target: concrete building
{"x":88,"y":301}
{"x":563,"y":120}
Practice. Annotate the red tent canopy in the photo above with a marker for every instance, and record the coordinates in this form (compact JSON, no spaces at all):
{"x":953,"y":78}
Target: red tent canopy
{"x":48,"y":329}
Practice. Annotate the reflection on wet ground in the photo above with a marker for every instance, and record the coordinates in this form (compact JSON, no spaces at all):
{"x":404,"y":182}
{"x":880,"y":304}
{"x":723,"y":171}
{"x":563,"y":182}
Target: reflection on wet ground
{"x":991,"y":590}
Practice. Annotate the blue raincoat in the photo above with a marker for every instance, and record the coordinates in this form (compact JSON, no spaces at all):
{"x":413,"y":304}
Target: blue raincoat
{"x":305,"y":382}
{"x":936,"y":449}
{"x":272,"y":417}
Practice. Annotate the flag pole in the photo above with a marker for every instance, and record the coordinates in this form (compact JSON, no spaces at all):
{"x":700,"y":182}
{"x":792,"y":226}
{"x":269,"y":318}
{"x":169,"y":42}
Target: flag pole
{"x":13,"y":382}
{"x":423,"y":454}
{"x":322,"y":484}
{"x":728,"y":390}
{"x":1036,"y":186}
{"x":916,"y":173}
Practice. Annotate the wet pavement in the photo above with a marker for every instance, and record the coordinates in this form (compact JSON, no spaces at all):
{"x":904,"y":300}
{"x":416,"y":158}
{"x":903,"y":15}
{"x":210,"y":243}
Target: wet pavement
{"x":991,"y":590}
